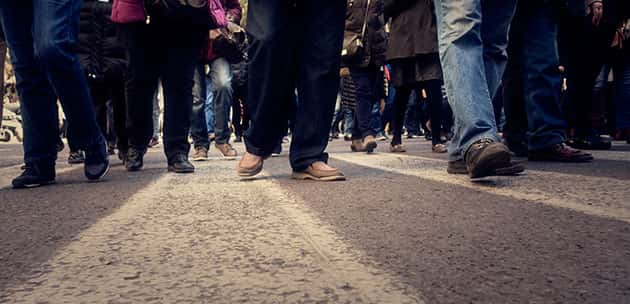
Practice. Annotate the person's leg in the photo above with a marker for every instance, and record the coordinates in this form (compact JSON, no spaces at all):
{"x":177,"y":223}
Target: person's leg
{"x":221,"y":75}
{"x":209,"y":106}
{"x":270,"y":72}
{"x":513,"y":95}
{"x":198,"y":129}
{"x":55,"y":29}
{"x":364,"y":82}
{"x":156,"y":113}
{"x":318,"y":79}
{"x":100,"y":95}
{"x":541,"y":78}
{"x":622,"y":94}
{"x":119,"y":105}
{"x":3,"y":55}
{"x":433,"y":88}
{"x":178,"y":69}
{"x":37,"y":99}
{"x":473,"y":57}
{"x":141,"y":85}
{"x":400,"y":106}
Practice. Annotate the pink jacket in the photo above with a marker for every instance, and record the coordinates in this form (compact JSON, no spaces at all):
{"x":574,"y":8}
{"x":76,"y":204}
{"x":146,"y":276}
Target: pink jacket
{"x":128,"y":11}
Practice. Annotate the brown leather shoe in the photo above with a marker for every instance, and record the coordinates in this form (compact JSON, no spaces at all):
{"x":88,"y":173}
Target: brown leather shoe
{"x":311,"y":173}
{"x":227,"y":151}
{"x":200,"y":154}
{"x":560,"y":153}
{"x":486,"y":157}
{"x":250,"y":165}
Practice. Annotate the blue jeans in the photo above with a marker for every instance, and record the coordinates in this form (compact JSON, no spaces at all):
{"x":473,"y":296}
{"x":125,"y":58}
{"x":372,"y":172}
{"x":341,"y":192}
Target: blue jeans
{"x":220,"y":95}
{"x":532,"y":80}
{"x":41,"y":36}
{"x":473,"y":36}
{"x":198,"y":129}
{"x":365,"y":83}
{"x":348,"y":121}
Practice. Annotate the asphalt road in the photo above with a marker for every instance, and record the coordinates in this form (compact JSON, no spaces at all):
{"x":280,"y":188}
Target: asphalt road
{"x":400,"y":230}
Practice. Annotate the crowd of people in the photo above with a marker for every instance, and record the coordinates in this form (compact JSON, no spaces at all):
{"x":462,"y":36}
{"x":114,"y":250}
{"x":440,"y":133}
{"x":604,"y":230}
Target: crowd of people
{"x":484,"y":81}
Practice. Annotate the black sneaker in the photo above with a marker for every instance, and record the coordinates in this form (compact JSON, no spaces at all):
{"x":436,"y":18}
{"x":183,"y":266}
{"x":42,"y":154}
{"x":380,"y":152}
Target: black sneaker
{"x":76,"y":157}
{"x":134,"y":160}
{"x":34,"y":176}
{"x":486,"y":157}
{"x":180,"y":164}
{"x":96,"y":163}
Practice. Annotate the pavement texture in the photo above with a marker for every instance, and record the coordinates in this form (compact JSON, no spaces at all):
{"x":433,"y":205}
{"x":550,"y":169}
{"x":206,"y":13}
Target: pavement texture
{"x":400,"y":230}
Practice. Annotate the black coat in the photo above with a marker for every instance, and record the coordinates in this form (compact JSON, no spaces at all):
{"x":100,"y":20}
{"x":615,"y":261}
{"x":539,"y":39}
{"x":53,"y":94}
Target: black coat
{"x":100,"y":53}
{"x":375,"y":40}
{"x":413,"y":28}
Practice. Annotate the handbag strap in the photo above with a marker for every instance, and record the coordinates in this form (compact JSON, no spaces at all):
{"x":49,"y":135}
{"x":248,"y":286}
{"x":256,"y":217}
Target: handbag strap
{"x":365,"y":20}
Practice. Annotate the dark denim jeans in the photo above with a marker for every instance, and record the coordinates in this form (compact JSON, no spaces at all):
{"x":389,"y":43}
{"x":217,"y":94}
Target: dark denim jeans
{"x":621,"y":70}
{"x":41,"y":36}
{"x":365,"y":84}
{"x":473,"y":38}
{"x":293,"y":44}
{"x":532,"y":80}
{"x":198,"y":126}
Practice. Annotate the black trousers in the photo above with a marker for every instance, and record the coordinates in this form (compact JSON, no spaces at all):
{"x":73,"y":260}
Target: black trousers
{"x":293,"y":44}
{"x":111,"y":89}
{"x":151,"y":58}
{"x":587,"y":47}
{"x":433,"y":88}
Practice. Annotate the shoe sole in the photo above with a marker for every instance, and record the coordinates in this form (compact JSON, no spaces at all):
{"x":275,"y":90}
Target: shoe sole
{"x":308,"y":176}
{"x":30,"y":186}
{"x":251,"y":173}
{"x":199,"y":159}
{"x":183,"y":171}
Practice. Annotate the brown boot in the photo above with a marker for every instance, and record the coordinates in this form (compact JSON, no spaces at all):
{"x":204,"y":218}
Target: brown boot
{"x":319,"y":171}
{"x":250,"y":165}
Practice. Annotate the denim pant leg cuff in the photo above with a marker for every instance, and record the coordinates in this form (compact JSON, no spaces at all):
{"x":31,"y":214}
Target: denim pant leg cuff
{"x":301,"y":164}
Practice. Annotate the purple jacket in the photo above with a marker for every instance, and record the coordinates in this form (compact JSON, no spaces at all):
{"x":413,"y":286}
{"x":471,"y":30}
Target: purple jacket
{"x":129,"y":11}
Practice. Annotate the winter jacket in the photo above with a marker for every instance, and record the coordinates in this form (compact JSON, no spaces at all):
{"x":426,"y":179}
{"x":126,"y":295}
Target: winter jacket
{"x":100,"y":53}
{"x":375,"y":40}
{"x":413,"y":28}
